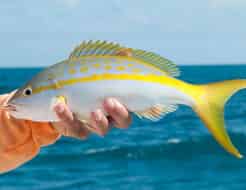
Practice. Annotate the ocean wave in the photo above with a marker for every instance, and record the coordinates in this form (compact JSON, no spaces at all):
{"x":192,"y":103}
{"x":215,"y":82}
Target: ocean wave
{"x":100,"y":150}
{"x":170,"y":148}
{"x":174,"y":141}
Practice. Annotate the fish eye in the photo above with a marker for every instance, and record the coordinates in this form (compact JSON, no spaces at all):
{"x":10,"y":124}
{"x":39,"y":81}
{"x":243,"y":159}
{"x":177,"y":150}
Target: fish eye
{"x":27,"y":91}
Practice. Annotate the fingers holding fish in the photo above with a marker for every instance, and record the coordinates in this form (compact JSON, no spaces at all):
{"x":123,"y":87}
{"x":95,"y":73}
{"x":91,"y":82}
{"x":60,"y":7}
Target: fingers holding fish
{"x":69,"y":125}
{"x":63,"y":112}
{"x":119,"y":114}
{"x":99,"y":122}
{"x":76,"y":129}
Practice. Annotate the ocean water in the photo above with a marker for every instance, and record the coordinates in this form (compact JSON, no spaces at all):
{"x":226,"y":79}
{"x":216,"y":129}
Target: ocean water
{"x":174,"y":153}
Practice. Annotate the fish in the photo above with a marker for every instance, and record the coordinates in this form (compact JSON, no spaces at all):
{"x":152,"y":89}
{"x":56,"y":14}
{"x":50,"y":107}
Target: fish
{"x":145,"y":82}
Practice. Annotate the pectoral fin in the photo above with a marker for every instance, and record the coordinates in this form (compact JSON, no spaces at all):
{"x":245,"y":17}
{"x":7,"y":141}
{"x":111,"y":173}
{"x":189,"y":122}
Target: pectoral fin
{"x":58,"y":99}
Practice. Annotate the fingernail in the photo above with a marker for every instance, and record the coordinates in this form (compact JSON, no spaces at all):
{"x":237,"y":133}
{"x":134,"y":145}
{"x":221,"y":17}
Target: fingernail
{"x":60,"y":109}
{"x":98,"y":115}
{"x":119,"y":106}
{"x":111,"y":103}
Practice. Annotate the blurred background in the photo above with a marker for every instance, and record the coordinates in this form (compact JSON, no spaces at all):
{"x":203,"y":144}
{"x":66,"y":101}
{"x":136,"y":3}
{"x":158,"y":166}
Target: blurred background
{"x":206,"y":38}
{"x":40,"y":33}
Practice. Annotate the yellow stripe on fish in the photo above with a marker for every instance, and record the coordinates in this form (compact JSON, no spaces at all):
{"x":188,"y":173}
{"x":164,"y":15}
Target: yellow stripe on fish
{"x":107,"y":76}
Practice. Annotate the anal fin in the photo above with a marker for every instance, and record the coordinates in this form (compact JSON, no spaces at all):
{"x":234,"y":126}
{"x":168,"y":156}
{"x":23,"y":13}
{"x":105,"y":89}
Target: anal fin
{"x":156,"y":112}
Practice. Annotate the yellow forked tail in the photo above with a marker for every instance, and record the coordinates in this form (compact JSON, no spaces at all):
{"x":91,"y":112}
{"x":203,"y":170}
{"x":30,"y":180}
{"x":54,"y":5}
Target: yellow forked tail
{"x":209,"y":106}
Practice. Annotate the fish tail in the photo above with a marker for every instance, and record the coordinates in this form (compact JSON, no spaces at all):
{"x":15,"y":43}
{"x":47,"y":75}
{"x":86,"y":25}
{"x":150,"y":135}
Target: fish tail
{"x":209,"y":105}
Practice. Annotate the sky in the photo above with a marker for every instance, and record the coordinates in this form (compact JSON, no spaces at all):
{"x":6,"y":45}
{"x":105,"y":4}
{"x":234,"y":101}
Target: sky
{"x":41,"y":33}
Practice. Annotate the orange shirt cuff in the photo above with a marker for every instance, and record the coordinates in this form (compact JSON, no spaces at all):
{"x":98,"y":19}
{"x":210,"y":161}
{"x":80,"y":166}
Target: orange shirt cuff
{"x":20,"y":140}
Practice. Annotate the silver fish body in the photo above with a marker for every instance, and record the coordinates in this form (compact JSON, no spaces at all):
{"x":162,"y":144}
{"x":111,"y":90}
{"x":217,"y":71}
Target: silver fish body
{"x":87,"y":86}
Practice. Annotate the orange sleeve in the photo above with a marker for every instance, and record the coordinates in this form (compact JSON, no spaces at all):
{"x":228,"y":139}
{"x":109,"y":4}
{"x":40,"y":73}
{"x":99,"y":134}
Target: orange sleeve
{"x":20,"y":140}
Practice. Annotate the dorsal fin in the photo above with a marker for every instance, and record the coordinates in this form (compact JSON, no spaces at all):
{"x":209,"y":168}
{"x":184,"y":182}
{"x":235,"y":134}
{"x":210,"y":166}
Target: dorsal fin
{"x":124,"y":52}
{"x":95,"y":48}
{"x":110,"y":48}
{"x":156,"y":60}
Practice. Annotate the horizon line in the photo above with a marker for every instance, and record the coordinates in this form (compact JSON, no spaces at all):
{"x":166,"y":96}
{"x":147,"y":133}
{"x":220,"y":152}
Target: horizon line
{"x":184,"y":64}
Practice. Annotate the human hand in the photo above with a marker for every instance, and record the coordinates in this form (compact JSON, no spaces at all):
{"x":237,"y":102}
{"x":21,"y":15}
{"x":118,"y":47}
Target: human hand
{"x":98,"y":123}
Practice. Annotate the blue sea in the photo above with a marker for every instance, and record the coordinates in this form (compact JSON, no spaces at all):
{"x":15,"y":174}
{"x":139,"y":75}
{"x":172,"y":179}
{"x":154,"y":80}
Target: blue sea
{"x":174,"y":153}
